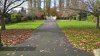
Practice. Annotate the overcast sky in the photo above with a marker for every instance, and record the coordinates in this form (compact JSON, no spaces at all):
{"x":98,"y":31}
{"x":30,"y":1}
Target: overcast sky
{"x":25,"y":5}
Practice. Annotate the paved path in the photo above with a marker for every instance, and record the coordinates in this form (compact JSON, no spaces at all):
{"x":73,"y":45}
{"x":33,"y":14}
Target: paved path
{"x":48,"y":40}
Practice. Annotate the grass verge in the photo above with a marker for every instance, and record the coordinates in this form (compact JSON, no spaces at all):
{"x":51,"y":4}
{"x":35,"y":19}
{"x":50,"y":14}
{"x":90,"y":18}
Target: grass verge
{"x":83,"y":34}
{"x":25,"y":25}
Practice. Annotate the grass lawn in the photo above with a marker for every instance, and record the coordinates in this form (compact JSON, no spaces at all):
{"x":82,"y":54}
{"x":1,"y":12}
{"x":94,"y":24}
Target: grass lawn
{"x":82,"y":33}
{"x":25,"y":25}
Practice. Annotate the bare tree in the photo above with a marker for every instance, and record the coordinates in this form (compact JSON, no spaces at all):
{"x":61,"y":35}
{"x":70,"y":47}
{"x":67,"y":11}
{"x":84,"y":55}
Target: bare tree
{"x":30,"y":5}
{"x":91,"y":6}
{"x":39,"y":4}
{"x":6,"y":6}
{"x":55,"y":4}
{"x":61,"y":4}
{"x":48,"y":6}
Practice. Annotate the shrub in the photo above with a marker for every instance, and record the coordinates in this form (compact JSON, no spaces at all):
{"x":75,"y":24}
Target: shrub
{"x":24,"y":19}
{"x":29,"y":18}
{"x":82,"y":16}
{"x":91,"y":18}
{"x":13,"y":18}
{"x":16,"y":18}
{"x":7,"y":18}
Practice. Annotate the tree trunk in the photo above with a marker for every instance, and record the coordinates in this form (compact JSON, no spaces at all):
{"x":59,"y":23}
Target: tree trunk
{"x":2,"y":28}
{"x":3,"y":24}
{"x":97,"y":22}
{"x":0,"y":40}
{"x":79,"y":18}
{"x":48,"y":6}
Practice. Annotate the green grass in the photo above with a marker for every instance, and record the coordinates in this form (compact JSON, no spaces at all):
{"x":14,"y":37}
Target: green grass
{"x":75,"y":24}
{"x":82,"y":33}
{"x":25,"y":25}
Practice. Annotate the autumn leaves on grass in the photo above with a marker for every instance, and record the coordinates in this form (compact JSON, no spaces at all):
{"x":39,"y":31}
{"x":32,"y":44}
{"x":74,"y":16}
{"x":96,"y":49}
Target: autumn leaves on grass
{"x":13,"y":37}
{"x":84,"y":39}
{"x":81,"y":34}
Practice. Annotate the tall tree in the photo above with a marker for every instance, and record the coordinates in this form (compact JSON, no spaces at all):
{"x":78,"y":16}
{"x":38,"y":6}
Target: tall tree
{"x":44,"y":4}
{"x":48,"y":6}
{"x":55,"y":3}
{"x":74,"y":3}
{"x":30,"y":5}
{"x":39,"y":4}
{"x":67,"y":3}
{"x":93,"y":8}
{"x":61,"y":5}
{"x":6,"y":7}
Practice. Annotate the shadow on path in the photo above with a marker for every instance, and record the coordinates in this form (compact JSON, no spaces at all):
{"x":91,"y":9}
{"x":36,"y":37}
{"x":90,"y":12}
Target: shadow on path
{"x":17,"y":48}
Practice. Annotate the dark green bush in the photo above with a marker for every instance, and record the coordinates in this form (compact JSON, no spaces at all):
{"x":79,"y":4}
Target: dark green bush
{"x":7,"y":18}
{"x":16,"y":18}
{"x":19,"y":16}
{"x":29,"y":18}
{"x":82,"y":16}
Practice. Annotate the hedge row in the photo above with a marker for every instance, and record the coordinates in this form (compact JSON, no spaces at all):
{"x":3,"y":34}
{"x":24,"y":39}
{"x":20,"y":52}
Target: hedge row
{"x":14,"y":18}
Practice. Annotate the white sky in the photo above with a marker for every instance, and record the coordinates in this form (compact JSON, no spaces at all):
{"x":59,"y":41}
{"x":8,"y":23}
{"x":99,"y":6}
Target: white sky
{"x":25,"y":5}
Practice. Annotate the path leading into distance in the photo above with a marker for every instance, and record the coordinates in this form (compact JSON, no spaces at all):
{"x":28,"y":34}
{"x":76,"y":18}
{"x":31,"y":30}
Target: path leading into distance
{"x":47,"y":40}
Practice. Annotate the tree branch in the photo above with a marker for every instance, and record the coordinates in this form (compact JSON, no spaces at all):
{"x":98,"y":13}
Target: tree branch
{"x":81,"y":10}
{"x":87,"y":3}
{"x":91,"y":3}
{"x":4,"y":9}
{"x":15,"y":7}
{"x":12,"y":2}
{"x":1,"y":4}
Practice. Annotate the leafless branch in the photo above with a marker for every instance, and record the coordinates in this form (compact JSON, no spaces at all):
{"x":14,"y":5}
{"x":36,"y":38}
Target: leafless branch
{"x":1,"y":4}
{"x":88,"y":3}
{"x":12,"y":2}
{"x":4,"y":9}
{"x":81,"y":10}
{"x":15,"y":6}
